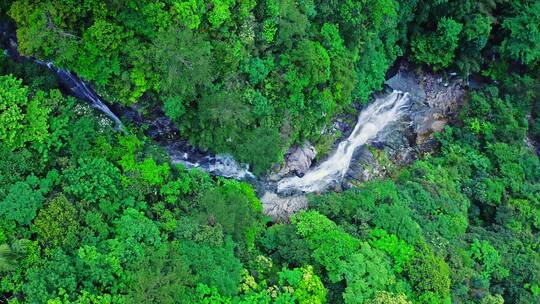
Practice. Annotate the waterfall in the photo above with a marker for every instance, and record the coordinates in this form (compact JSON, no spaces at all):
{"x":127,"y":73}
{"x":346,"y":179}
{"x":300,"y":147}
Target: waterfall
{"x":371,"y":121}
{"x":80,"y":89}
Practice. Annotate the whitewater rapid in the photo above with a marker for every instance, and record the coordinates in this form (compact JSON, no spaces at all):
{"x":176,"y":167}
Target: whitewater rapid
{"x":371,"y":121}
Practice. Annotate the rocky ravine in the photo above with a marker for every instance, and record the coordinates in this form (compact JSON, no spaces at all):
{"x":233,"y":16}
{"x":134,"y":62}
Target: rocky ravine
{"x":434,"y":103}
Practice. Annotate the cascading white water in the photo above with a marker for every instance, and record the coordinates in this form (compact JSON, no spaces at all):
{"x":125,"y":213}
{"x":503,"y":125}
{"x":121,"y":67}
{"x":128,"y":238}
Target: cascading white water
{"x":79,"y":88}
{"x":371,"y":121}
{"x":221,"y":164}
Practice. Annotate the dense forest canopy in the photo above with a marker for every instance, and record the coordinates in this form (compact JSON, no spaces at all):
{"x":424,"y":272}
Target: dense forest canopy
{"x":90,"y":215}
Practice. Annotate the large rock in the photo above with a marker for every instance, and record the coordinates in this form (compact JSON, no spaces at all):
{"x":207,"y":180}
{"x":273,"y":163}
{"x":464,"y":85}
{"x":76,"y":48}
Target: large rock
{"x":298,"y":159}
{"x":441,"y":103}
{"x":364,"y":168}
{"x":280,"y":208}
{"x":434,"y":103}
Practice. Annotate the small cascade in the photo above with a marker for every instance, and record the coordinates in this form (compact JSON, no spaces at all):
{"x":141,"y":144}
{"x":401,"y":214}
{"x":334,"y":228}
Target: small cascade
{"x":81,"y":90}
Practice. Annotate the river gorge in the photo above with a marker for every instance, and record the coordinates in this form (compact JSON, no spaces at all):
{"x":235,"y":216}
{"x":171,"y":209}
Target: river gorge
{"x":398,"y":121}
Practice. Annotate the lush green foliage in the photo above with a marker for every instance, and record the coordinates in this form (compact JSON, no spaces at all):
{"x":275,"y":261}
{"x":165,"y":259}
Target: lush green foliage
{"x":464,"y":223}
{"x":96,"y":222}
{"x":22,"y":119}
{"x":226,"y":71}
{"x":88,"y":215}
{"x":437,"y":49}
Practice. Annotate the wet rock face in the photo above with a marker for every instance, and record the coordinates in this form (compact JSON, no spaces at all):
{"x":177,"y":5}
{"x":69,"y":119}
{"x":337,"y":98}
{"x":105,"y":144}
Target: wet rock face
{"x":439,"y":106}
{"x":434,"y":103}
{"x":298,"y":160}
{"x":365,"y":168}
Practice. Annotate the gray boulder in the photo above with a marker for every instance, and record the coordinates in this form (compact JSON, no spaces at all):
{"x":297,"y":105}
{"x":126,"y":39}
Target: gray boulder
{"x":280,"y":208}
{"x":434,"y":103}
{"x":298,"y":159}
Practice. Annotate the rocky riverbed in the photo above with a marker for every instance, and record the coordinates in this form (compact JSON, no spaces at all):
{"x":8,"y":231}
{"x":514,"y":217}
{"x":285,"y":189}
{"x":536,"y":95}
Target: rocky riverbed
{"x":434,"y":102}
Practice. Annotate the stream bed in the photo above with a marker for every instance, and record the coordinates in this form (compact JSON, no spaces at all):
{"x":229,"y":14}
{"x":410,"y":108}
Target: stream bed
{"x":398,"y":122}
